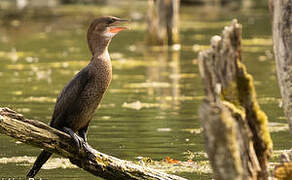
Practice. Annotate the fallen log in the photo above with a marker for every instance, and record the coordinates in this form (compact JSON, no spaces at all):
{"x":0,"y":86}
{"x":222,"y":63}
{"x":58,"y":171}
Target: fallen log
{"x":238,"y":142}
{"x":43,"y":136}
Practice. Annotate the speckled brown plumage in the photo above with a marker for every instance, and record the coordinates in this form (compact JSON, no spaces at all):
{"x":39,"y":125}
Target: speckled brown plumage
{"x":79,"y":99}
{"x":77,"y":102}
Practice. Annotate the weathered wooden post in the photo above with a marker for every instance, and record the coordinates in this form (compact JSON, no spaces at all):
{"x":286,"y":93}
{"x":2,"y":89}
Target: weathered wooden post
{"x":237,"y":139}
{"x":163,"y":18}
{"x":281,"y":15}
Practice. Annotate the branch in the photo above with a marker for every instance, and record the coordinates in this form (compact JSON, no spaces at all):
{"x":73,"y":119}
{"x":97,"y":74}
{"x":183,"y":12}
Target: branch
{"x":43,"y":136}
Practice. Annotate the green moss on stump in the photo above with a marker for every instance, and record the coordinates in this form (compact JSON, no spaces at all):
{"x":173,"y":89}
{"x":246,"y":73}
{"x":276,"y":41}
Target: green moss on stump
{"x":241,"y":93}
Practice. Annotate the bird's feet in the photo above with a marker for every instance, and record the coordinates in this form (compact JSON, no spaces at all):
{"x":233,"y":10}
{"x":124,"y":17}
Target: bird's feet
{"x":80,"y":143}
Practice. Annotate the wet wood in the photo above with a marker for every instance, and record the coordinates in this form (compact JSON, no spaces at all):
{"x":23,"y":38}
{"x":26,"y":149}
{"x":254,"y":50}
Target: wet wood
{"x":43,"y":136}
{"x":235,"y":128}
{"x":163,"y":19}
{"x":281,"y":16}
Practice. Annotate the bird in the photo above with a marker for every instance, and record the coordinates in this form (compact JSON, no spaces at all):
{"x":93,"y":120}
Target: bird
{"x":79,"y":99}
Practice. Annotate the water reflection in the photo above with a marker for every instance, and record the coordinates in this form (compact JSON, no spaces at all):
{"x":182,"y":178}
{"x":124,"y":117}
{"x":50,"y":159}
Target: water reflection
{"x":165,"y":77}
{"x":151,"y":107}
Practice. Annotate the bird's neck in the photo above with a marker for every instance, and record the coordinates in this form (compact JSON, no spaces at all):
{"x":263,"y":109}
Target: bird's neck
{"x":99,"y":46}
{"x":104,"y":55}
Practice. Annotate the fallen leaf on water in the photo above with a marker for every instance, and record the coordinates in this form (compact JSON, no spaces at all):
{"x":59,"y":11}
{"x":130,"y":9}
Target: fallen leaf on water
{"x":163,"y":129}
{"x":149,"y":85}
{"x":23,"y":110}
{"x":277,"y":127}
{"x":39,"y":99}
{"x":171,"y":161}
{"x":52,"y":163}
{"x":137,"y":105}
{"x":194,"y":130}
{"x":134,"y":105}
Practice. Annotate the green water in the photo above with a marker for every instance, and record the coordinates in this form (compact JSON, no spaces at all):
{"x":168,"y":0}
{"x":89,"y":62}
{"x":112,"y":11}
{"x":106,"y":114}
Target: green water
{"x":150,"y":109}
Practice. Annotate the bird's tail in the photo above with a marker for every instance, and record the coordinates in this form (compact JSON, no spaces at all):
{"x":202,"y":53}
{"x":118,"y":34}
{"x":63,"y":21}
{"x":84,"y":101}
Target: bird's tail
{"x":41,"y":159}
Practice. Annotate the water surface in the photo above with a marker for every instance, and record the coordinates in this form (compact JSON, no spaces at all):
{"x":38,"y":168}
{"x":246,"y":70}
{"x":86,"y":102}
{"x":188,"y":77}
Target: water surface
{"x":150,"y":109}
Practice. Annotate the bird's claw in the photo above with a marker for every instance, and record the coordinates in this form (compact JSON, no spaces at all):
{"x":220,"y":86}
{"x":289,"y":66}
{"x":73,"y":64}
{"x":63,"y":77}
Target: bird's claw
{"x":81,"y":144}
{"x":78,"y":141}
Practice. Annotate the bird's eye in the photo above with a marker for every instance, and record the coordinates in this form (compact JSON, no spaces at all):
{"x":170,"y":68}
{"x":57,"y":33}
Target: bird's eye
{"x":111,"y":21}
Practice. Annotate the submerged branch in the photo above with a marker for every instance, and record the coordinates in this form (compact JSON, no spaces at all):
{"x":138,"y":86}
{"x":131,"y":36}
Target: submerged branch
{"x":43,"y":136}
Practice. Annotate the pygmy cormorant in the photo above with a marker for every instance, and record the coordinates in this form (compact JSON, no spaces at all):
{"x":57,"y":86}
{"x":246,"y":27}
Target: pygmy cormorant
{"x":79,"y":99}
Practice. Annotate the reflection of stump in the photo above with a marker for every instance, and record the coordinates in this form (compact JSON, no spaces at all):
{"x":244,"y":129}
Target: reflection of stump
{"x":237,"y":140}
{"x":168,"y":63}
{"x":281,"y":15}
{"x":163,"y":17}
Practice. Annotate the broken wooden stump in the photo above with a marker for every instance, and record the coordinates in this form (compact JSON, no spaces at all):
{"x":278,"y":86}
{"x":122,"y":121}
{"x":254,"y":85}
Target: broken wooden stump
{"x":281,"y":16}
{"x":163,"y":18}
{"x":43,"y":136}
{"x":238,"y":142}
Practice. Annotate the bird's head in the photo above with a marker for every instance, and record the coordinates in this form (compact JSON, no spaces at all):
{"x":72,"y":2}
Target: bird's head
{"x":102,"y":30}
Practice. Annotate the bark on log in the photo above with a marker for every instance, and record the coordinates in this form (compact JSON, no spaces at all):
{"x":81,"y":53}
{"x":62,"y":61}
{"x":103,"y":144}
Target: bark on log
{"x":237,"y":140}
{"x":281,"y":15}
{"x":163,"y":18}
{"x":43,"y":136}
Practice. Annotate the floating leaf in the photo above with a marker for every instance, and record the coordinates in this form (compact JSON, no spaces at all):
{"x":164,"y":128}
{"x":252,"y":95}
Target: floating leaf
{"x":276,"y":127}
{"x":137,"y":105}
{"x":148,"y":85}
{"x":194,"y":130}
{"x":39,"y":99}
{"x":134,"y":105}
{"x":163,"y":129}
{"x":171,"y":161}
{"x":52,"y":163}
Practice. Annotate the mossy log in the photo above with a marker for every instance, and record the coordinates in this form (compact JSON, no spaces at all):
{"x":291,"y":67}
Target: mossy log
{"x":281,"y":16}
{"x":163,"y":18}
{"x":238,"y":142}
{"x":43,"y":136}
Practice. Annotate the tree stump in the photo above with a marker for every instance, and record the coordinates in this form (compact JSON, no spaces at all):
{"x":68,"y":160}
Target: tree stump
{"x":235,"y":128}
{"x":163,"y":18}
{"x":281,"y":16}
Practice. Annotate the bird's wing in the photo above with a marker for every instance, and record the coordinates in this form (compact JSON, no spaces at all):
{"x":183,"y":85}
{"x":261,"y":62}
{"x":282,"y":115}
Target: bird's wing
{"x":69,"y":95}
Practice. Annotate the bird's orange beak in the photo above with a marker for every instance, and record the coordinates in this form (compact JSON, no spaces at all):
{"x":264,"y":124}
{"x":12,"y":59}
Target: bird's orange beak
{"x":116,"y":29}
